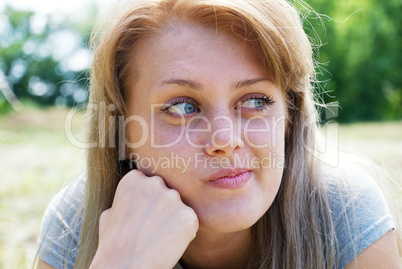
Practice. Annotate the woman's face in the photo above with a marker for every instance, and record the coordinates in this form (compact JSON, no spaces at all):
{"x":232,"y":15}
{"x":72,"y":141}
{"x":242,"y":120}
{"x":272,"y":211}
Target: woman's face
{"x":210,"y":121}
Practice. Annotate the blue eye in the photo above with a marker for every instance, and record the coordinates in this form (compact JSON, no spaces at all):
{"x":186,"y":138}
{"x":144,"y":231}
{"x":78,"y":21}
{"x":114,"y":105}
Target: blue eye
{"x":258,"y":102}
{"x":253,"y":103}
{"x":182,"y":108}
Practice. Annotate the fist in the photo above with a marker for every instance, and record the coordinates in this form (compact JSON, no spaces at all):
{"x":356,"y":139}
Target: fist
{"x":148,"y":225}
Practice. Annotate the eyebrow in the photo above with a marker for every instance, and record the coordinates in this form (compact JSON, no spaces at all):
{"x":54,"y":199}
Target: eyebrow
{"x":198,"y":86}
{"x":184,"y":82}
{"x":249,"y":82}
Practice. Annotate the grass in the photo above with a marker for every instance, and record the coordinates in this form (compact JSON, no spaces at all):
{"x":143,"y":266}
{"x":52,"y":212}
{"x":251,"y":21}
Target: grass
{"x":38,"y":160}
{"x":381,"y":142}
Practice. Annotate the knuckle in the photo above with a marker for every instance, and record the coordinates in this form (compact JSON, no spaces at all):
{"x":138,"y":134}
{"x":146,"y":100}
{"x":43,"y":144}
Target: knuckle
{"x":131,"y":180}
{"x":123,"y":183}
{"x":128,"y":179}
{"x":173,"y":195}
{"x":189,"y":221}
{"x":133,"y":174}
{"x":158,"y":181}
{"x":188,"y":216}
{"x":122,"y":188}
{"x":104,"y":216}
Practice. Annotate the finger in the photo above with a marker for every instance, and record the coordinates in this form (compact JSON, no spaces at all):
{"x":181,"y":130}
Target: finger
{"x":104,"y":217}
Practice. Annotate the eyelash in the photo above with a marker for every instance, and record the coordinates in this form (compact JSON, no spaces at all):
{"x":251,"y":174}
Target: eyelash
{"x":268,"y":100}
{"x":165,"y":108}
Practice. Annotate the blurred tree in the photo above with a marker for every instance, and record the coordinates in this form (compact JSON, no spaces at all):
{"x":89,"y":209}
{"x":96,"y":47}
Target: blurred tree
{"x":42,"y":58}
{"x":362,"y":44}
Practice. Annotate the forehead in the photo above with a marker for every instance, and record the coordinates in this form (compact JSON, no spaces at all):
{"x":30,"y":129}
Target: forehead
{"x":190,"y":49}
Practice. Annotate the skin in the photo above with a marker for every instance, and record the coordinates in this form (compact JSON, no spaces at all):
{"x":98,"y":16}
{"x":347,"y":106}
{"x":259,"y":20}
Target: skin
{"x":179,"y":215}
{"x":199,"y":55}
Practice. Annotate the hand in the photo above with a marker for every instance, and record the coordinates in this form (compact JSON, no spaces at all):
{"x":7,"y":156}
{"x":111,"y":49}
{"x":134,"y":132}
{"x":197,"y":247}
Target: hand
{"x":148,"y":226}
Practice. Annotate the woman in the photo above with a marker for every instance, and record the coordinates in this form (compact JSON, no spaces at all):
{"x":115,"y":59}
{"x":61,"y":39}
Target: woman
{"x":212,"y":102}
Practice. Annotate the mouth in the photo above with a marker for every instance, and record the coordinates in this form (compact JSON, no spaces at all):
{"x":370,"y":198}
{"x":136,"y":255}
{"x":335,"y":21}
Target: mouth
{"x":230,"y":178}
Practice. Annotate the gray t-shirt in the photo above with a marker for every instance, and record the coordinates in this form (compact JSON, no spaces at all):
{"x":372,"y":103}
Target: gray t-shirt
{"x":358,"y":208}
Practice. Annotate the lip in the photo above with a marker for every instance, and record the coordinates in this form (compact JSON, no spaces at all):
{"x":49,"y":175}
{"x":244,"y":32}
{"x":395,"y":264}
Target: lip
{"x":230,"y":178}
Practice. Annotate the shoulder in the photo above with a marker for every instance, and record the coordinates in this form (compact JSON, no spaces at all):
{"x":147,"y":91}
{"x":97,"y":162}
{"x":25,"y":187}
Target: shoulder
{"x":359,"y":210}
{"x":61,"y":224}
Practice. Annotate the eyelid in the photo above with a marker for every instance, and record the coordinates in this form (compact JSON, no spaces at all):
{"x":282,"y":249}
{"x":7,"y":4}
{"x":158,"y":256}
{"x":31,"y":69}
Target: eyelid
{"x":176,"y":101}
{"x":268,"y":99}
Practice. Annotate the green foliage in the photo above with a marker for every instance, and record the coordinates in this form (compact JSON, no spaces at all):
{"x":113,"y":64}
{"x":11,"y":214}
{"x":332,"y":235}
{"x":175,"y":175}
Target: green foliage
{"x":29,"y":60}
{"x":360,"y":54}
{"x":5,"y":107}
{"x":362,"y":44}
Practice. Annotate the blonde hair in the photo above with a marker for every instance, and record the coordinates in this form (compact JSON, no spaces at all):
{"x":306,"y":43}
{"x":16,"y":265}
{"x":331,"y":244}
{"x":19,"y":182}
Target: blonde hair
{"x":297,"y":230}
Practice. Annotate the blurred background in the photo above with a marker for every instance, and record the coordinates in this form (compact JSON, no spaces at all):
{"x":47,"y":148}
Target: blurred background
{"x":44,"y":70}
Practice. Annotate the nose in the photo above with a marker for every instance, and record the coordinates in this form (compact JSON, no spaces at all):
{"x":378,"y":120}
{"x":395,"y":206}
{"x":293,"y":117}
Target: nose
{"x":225,"y":138}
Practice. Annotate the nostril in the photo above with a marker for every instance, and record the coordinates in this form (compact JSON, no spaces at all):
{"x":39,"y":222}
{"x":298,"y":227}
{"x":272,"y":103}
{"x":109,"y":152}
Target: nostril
{"x":219,"y":151}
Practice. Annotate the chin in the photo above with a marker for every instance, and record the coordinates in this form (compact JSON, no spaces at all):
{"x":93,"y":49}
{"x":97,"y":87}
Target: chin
{"x":232,"y":219}
{"x":229,"y":225}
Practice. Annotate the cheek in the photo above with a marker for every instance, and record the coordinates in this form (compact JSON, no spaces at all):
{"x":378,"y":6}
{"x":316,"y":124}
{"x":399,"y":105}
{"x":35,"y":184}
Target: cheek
{"x":163,"y":136}
{"x":136,"y":131}
{"x":267,"y":132}
{"x":146,"y":133}
{"x":166,"y":153}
